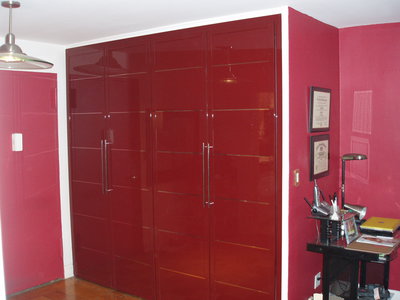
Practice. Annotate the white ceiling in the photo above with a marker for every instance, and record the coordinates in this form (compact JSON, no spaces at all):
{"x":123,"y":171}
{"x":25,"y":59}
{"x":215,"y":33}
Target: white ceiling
{"x":67,"y":22}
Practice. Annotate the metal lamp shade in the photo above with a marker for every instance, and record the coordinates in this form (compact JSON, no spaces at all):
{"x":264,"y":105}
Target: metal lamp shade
{"x":361,"y":211}
{"x":11,"y":55}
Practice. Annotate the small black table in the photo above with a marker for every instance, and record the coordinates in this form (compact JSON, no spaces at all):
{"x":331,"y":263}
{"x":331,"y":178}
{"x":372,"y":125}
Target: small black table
{"x":355,"y":256}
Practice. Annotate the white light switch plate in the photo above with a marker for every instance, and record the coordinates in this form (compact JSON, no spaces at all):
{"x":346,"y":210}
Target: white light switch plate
{"x":17,"y":143}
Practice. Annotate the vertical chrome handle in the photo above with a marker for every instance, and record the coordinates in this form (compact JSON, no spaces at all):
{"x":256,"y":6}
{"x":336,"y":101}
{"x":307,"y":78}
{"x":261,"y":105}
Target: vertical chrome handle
{"x":204,"y":173}
{"x":209,"y":202}
{"x":106,"y":162}
{"x":103,"y":162}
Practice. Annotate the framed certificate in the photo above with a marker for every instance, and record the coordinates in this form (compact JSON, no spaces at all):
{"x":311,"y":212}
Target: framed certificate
{"x":320,"y":106}
{"x":319,"y":158}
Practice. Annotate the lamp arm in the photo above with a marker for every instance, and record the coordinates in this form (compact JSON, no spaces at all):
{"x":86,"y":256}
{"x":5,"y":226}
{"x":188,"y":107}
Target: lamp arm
{"x":343,"y":181}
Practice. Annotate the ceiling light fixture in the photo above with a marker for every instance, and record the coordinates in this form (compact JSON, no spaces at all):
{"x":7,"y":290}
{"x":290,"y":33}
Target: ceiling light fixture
{"x":11,"y":55}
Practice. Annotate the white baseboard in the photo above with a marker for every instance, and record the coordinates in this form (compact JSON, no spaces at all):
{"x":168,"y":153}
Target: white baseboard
{"x":395,"y":294}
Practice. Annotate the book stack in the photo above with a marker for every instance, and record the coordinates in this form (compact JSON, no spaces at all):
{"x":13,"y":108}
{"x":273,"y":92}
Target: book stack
{"x":381,"y":226}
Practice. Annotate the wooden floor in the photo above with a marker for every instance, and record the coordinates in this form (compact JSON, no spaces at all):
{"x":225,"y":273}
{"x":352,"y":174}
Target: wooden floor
{"x":72,"y":289}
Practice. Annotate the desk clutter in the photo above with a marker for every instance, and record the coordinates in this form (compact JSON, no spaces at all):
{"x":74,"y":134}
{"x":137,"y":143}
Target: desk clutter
{"x":356,"y":252}
{"x":347,"y":223}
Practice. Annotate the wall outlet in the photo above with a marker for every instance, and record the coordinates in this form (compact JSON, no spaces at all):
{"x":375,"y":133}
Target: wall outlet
{"x":317,"y":280}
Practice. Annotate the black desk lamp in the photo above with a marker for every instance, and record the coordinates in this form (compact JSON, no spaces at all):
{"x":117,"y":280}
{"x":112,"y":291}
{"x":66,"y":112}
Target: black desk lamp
{"x":346,"y":157}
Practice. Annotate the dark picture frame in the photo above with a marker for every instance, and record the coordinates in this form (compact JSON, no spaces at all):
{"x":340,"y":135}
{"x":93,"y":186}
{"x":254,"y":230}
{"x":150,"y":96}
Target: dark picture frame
{"x":320,"y":109}
{"x":350,"y":229}
{"x":319,"y":156}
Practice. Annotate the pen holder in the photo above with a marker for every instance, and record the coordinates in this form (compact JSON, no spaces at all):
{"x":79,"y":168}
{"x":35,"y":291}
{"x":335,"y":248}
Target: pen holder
{"x":330,"y":230}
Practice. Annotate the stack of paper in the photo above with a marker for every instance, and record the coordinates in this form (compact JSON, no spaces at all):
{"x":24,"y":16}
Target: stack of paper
{"x":379,"y":241}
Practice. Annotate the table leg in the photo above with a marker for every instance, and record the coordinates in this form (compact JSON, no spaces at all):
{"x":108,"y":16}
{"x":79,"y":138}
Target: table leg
{"x":325,"y":277}
{"x":386,"y":270}
{"x":363,"y":274}
{"x":354,"y":279}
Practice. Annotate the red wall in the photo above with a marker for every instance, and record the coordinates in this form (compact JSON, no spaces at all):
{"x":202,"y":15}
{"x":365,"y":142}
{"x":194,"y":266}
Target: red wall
{"x":313,"y":61}
{"x":29,"y":184}
{"x":370,"y":119}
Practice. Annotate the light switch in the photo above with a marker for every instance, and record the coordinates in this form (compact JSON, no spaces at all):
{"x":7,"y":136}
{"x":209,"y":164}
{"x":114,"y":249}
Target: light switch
{"x":296,"y":177}
{"x":17,"y":143}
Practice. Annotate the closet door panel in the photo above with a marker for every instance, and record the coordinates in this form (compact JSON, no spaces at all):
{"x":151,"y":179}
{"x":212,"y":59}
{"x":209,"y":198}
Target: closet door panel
{"x":242,"y":99}
{"x":132,"y":206}
{"x":244,"y":266}
{"x":133,"y":242}
{"x":244,"y":178}
{"x":229,"y":292}
{"x":189,"y":215}
{"x":181,"y":89}
{"x":129,"y":130}
{"x":254,"y":82}
{"x":180,"y":131}
{"x":244,"y":132}
{"x":246,"y":41}
{"x":134,"y":278}
{"x":175,"y":286}
{"x":85,"y":62}
{"x":180,"y":173}
{"x":90,"y":208}
{"x":88,"y":199}
{"x":93,"y":266}
{"x":179,"y":103}
{"x":86,"y":165}
{"x":128,"y":56}
{"x":178,"y":50}
{"x":182,"y":253}
{"x":128,"y":93}
{"x":86,"y":95}
{"x":86,"y":130}
{"x":234,"y":223}
{"x":130,"y":166}
{"x":90,"y":233}
{"x":129,"y":169}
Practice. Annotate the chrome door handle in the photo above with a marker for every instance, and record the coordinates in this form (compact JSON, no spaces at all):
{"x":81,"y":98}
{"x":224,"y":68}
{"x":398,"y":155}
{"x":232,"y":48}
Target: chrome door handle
{"x":204,"y":173}
{"x":106,"y":162}
{"x":209,"y":202}
{"x":103,"y":161}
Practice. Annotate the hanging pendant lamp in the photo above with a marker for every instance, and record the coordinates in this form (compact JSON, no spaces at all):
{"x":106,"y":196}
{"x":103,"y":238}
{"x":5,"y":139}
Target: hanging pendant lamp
{"x":11,"y":55}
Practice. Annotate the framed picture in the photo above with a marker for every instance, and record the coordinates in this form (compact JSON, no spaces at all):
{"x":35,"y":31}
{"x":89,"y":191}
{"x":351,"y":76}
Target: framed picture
{"x":320,"y":107}
{"x":350,"y":230}
{"x":319,"y":159}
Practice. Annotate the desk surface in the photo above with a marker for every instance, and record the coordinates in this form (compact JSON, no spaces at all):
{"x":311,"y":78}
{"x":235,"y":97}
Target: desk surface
{"x":361,"y":251}
{"x":357,"y":246}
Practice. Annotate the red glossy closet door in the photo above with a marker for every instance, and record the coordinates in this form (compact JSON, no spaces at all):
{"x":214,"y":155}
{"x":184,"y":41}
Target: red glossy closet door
{"x":90,"y":209}
{"x":242,"y":94}
{"x":130,"y":182}
{"x":181,"y":220}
